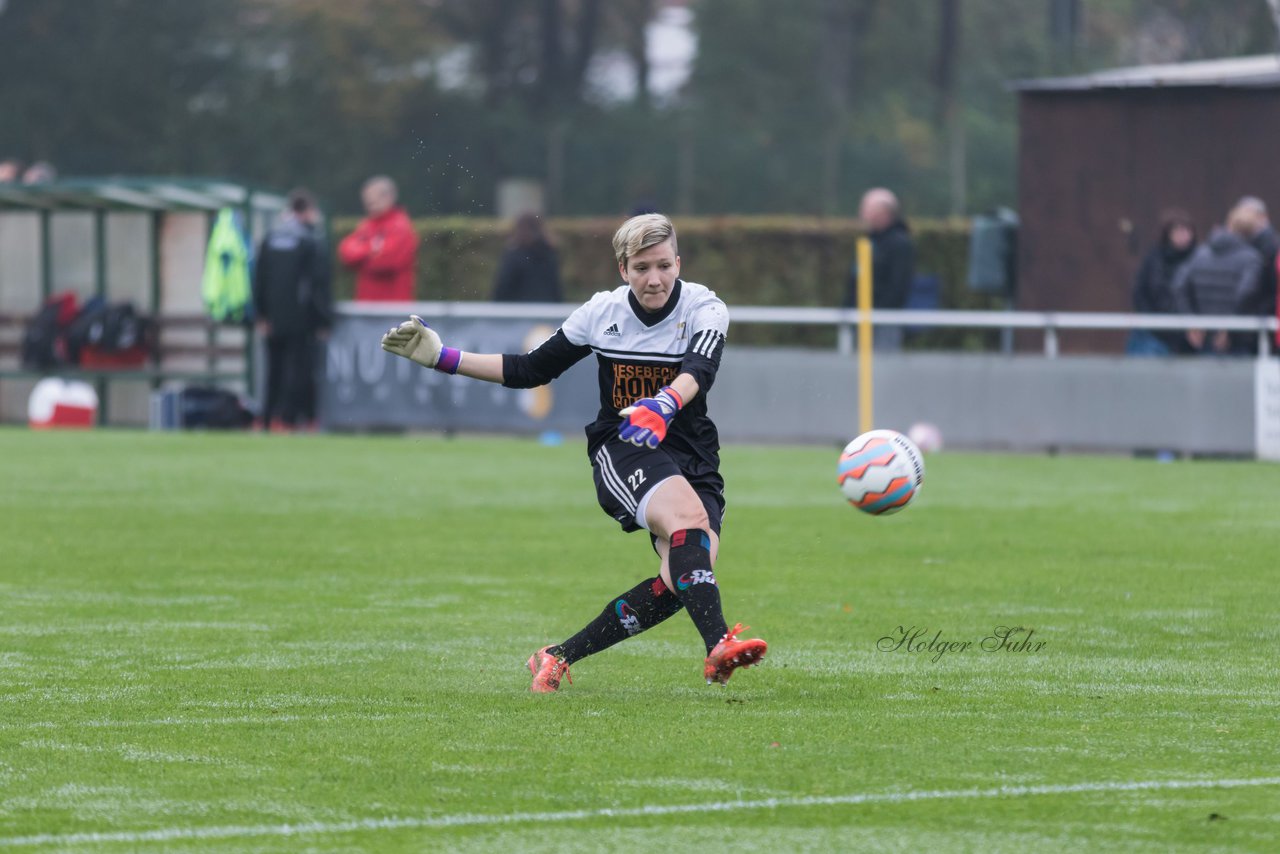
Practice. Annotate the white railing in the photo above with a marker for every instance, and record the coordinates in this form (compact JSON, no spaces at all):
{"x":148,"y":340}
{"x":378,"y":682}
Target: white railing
{"x":846,"y":319}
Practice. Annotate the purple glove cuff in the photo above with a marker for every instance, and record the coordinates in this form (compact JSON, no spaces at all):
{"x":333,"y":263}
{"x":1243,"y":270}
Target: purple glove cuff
{"x":449,"y":360}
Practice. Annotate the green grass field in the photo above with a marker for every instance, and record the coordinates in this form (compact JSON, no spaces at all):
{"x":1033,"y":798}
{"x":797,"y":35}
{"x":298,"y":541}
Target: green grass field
{"x":317,"y":643}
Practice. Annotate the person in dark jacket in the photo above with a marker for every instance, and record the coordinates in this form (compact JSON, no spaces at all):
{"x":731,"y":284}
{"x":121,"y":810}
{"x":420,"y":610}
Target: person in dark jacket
{"x":1153,"y":285}
{"x":292,"y":296}
{"x":1221,"y":277}
{"x":530,"y":268}
{"x":893,"y":261}
{"x":1264,"y":238}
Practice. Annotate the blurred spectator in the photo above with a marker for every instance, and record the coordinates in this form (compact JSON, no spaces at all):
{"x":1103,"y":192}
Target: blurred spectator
{"x":383,"y":250}
{"x":40,"y":172}
{"x":293,"y":298}
{"x":1265,"y":239}
{"x":530,"y":268}
{"x":1267,"y":242}
{"x":10,"y":171}
{"x":1221,"y":277}
{"x":1153,"y":286}
{"x":893,"y":261}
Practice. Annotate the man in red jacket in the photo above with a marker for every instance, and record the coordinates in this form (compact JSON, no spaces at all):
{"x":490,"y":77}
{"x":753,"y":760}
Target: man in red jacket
{"x":384,"y":247}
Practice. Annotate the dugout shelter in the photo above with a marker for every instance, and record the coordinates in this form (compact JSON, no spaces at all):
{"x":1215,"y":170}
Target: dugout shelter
{"x":139,"y":239}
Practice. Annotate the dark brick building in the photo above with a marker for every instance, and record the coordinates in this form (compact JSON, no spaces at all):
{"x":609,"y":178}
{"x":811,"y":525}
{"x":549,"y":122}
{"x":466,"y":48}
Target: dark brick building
{"x":1100,"y":155}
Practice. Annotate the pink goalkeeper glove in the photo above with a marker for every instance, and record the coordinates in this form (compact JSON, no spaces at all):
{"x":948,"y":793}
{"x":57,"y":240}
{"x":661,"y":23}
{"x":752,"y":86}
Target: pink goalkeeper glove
{"x":645,"y":421}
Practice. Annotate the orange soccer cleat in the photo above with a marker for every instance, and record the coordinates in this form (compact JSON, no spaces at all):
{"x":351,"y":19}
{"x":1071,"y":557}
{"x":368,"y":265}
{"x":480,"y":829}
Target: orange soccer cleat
{"x":547,"y":670}
{"x":731,"y":653}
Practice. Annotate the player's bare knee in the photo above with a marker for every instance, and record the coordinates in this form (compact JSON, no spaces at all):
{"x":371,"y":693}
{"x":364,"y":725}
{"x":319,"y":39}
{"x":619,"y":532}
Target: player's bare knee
{"x":686,"y":518}
{"x":697,"y":520}
{"x":678,"y":515}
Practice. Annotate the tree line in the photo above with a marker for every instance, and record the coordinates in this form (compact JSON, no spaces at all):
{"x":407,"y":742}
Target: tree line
{"x":788,"y":108}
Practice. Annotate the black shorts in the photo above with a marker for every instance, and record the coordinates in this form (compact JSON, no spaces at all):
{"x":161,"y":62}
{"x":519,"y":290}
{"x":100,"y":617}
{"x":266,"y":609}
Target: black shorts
{"x":624,"y":475}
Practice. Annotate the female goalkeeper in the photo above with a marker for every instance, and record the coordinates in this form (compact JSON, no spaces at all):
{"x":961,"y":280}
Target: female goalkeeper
{"x":654,"y":452}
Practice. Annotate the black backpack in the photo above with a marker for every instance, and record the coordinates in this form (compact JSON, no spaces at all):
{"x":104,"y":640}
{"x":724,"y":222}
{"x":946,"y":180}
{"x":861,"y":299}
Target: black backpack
{"x":208,"y":408}
{"x":110,"y":327}
{"x":79,"y":331}
{"x":122,"y":328}
{"x":42,"y":344}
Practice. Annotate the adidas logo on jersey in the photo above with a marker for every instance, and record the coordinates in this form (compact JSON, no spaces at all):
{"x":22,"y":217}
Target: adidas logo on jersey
{"x":613,"y":330}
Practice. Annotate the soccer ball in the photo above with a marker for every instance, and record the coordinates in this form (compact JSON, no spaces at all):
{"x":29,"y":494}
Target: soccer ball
{"x":880,"y":472}
{"x":927,"y":437}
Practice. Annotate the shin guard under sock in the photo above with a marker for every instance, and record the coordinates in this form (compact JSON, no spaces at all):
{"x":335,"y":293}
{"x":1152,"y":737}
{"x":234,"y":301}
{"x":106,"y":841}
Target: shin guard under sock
{"x":695,"y":583}
{"x":642,"y":607}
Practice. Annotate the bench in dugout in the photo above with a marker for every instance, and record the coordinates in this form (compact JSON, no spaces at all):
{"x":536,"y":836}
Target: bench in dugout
{"x":188,"y":349}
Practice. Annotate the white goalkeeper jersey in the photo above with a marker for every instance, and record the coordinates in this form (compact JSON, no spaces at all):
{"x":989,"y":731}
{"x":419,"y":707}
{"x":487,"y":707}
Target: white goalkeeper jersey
{"x":638,"y":353}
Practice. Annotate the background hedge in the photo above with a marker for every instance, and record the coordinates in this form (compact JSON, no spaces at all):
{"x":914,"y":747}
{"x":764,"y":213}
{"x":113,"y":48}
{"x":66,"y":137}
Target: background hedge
{"x":777,"y":261}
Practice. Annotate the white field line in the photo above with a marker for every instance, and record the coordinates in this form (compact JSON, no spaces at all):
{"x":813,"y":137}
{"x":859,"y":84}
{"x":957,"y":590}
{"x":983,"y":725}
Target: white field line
{"x":172,"y":834}
{"x":261,"y":720}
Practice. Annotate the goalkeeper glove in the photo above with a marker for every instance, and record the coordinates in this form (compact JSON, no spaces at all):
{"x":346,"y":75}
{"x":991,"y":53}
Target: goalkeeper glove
{"x":645,"y":421}
{"x":418,"y":342}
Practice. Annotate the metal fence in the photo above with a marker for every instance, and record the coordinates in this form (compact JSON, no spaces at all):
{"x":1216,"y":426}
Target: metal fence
{"x":1049,"y":323}
{"x":985,"y":400}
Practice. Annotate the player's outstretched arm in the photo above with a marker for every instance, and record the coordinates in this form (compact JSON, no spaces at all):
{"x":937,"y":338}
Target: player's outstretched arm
{"x":416,"y":341}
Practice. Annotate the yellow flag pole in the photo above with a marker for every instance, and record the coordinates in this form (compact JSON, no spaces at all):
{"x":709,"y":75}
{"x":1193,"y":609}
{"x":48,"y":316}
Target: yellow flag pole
{"x":865,"y":419}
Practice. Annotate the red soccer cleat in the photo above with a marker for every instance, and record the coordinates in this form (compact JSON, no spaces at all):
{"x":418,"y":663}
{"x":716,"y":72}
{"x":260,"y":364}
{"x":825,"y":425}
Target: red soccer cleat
{"x":731,"y":653}
{"x":547,"y":670}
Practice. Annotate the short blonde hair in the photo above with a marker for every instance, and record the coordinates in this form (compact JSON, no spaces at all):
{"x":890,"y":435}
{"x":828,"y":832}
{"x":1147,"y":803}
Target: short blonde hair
{"x":639,"y":233}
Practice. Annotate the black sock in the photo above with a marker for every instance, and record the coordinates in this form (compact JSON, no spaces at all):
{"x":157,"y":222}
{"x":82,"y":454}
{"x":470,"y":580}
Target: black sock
{"x":695,"y":583}
{"x":642,"y":607}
